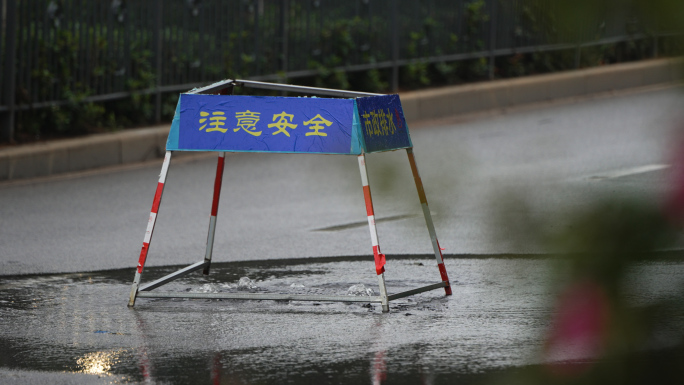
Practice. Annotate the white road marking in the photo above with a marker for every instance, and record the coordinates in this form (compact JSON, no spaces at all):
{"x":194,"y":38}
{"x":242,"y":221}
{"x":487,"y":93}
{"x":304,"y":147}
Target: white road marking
{"x":631,"y":171}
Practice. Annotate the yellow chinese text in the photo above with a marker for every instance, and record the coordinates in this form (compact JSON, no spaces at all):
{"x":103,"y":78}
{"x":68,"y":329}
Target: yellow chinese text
{"x":316,"y":121}
{"x":247,"y":121}
{"x":284,"y":122}
{"x":216,"y":122}
{"x":378,"y":123}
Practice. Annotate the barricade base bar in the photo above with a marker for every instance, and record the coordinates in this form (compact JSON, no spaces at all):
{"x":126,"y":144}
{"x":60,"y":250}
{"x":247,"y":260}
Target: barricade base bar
{"x":262,"y":296}
{"x":175,"y":275}
{"x":145,"y":292}
{"x":416,"y":291}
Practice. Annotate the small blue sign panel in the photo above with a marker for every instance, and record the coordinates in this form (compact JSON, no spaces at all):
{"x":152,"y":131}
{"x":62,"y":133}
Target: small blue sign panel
{"x":236,"y":123}
{"x":382,"y":123}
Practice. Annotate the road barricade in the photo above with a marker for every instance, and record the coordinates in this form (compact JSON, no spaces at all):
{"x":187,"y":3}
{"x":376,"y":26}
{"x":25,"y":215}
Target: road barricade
{"x":349,"y":123}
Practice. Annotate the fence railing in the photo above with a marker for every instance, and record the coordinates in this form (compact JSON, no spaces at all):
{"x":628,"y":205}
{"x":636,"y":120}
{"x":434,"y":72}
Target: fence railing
{"x":54,"y":52}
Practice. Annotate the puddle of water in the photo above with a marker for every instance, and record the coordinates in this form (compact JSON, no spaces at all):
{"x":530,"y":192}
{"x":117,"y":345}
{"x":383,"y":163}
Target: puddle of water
{"x":79,"y":323}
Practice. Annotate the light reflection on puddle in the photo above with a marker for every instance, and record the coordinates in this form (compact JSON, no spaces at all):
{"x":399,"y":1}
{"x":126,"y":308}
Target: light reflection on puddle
{"x":99,"y":363}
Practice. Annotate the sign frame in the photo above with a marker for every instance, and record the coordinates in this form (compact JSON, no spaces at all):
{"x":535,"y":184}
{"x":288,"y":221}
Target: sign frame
{"x":378,"y":124}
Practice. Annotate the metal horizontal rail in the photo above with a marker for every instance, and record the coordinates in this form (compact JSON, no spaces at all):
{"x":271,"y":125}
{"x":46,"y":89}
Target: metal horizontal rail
{"x":218,"y":86}
{"x":302,"y":89}
{"x":262,"y":296}
{"x":223,"y":84}
{"x":106,"y":97}
{"x":403,"y":294}
{"x":616,"y":39}
{"x":175,"y":275}
{"x":145,"y":293}
{"x":457,"y":57}
{"x":428,"y":59}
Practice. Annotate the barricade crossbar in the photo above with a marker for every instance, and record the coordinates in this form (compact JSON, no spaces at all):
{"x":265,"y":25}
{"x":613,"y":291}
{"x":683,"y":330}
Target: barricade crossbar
{"x":356,"y":124}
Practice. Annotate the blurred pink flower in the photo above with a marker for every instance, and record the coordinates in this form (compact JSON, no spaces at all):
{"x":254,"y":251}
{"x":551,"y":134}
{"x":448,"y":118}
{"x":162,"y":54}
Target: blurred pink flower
{"x":675,"y":198}
{"x":579,"y":329}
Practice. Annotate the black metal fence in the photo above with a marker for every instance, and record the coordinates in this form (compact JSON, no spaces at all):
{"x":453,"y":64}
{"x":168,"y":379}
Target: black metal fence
{"x":63,"y":51}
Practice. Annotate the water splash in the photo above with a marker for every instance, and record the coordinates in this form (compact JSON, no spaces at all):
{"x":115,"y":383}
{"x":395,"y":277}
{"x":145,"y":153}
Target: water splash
{"x":207,"y":288}
{"x":245,"y":283}
{"x":360,"y":290}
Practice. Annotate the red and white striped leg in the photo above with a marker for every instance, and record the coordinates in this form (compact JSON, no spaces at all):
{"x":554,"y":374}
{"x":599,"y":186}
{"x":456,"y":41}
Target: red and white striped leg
{"x":214,"y":211}
{"x":379,"y":257}
{"x":150,"y":227}
{"x":428,"y":221}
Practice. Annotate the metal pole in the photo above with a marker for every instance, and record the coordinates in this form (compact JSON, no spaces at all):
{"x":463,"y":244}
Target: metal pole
{"x":159,"y":37}
{"x":284,"y":10}
{"x":578,"y":48}
{"x":150,"y":228}
{"x":260,"y":296}
{"x":655,"y":38}
{"x":395,"y":47}
{"x":257,"y":57}
{"x":428,"y":221}
{"x":379,"y":257}
{"x":289,"y":87}
{"x":492,"y":39}
{"x":214,"y":211}
{"x":9,"y":71}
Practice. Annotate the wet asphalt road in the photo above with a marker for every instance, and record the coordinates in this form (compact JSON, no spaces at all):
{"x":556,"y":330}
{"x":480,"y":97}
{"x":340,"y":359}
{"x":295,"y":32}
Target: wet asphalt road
{"x":75,"y":328}
{"x":82,"y":235}
{"x":78,"y":324}
{"x":293,"y":206}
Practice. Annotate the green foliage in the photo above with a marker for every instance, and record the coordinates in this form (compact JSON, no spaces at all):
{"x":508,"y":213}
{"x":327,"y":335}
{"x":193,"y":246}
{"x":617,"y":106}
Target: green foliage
{"x":475,"y":19}
{"x":341,"y":37}
{"x":421,"y":74}
{"x":330,"y":42}
{"x":75,"y":116}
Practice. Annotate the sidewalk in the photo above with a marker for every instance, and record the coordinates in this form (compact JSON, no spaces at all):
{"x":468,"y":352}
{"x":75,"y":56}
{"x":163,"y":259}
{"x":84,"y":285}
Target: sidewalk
{"x":131,"y":146}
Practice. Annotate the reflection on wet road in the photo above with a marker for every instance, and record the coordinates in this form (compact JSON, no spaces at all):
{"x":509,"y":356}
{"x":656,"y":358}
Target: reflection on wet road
{"x":496,"y":320}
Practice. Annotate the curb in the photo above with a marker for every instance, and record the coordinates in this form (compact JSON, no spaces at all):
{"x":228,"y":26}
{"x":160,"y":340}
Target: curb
{"x":70,"y":155}
{"x":132,"y":146}
{"x":501,"y":94}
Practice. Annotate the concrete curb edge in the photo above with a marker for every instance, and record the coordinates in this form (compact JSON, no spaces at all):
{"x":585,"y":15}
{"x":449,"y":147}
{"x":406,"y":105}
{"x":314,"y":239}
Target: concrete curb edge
{"x":508,"y":93}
